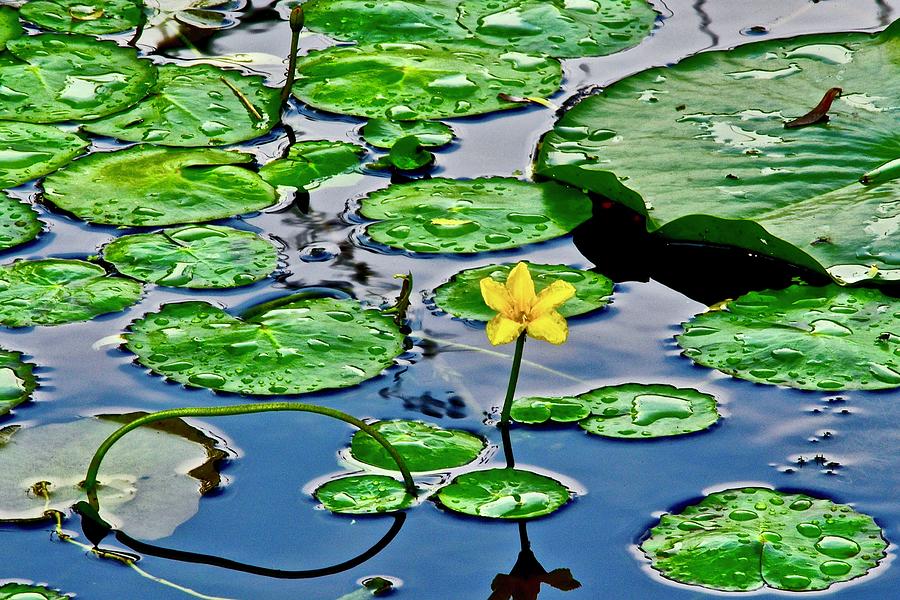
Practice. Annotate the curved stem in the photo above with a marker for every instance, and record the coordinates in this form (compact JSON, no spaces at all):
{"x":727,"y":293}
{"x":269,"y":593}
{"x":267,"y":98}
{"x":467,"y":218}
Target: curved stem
{"x":296,"y":21}
{"x":513,"y":380}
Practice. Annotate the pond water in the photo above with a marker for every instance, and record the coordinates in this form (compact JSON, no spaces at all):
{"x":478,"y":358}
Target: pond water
{"x":263,"y":514}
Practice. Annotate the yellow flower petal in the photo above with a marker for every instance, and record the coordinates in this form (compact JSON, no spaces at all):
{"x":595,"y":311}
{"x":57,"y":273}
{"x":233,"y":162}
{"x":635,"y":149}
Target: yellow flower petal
{"x":496,"y":296}
{"x":521,"y":287}
{"x":501,"y":330}
{"x":550,"y":327}
{"x":552,"y":296}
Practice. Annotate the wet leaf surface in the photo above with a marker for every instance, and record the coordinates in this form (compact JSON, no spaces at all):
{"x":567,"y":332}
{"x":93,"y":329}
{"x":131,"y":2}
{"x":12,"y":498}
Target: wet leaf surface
{"x":384,"y":133}
{"x":423,"y":446}
{"x":309,"y":163}
{"x":18,"y":222}
{"x":10,"y":28}
{"x":28,"y":151}
{"x":92,"y":17}
{"x":504,"y":494}
{"x":364,"y":494}
{"x":17,"y":380}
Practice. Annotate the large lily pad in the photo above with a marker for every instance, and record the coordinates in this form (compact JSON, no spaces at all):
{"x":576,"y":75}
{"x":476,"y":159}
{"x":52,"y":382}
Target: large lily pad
{"x":10,"y":28}
{"x":384,"y":133}
{"x":17,"y":380}
{"x":504,"y":494}
{"x":461,"y":296}
{"x":195,"y":256}
{"x":18,"y":222}
{"x":447,"y":215}
{"x":812,"y":338}
{"x":93,"y":17}
{"x":25,"y":591}
{"x":702,"y":150}
{"x":56,"y":77}
{"x":749,"y":538}
{"x":150,"y":482}
{"x":28,"y":151}
{"x":307,"y":164}
{"x":291,"y":346}
{"x":364,"y":494}
{"x":57,"y":291}
{"x":147,"y":186}
{"x":426,"y":80}
{"x":423,"y":446}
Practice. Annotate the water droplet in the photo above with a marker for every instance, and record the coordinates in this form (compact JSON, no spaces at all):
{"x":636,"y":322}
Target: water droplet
{"x":837,"y":547}
{"x":830,"y":53}
{"x":835,"y":568}
{"x":795,"y":582}
{"x":210,"y":380}
{"x":829,"y":327}
{"x":769,"y":536}
{"x":11,"y":387}
{"x":884,"y":373}
{"x":742,"y":515}
{"x":801,"y":504}
{"x":810,"y":530}
{"x":650,"y":408}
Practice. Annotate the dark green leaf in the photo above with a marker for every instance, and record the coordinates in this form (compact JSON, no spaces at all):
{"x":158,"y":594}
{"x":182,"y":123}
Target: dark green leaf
{"x":310,"y":163}
{"x":424,"y":447}
{"x":364,"y":494}
{"x":93,"y":17}
{"x":384,"y":133}
{"x":10,"y":28}
{"x":407,"y":154}
{"x":504,"y":494}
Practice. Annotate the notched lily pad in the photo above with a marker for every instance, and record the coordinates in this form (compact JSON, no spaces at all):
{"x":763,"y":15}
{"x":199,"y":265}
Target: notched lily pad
{"x":25,"y":591}
{"x":18,"y":222}
{"x":149,"y":186}
{"x":308,"y":164}
{"x":363,"y":495}
{"x":195,"y":256}
{"x":750,"y":538}
{"x":407,"y":154}
{"x":150,"y":482}
{"x":384,"y":133}
{"x":92,"y":17}
{"x":58,"y":291}
{"x":458,"y":216}
{"x":461,"y":296}
{"x":504,"y":494}
{"x":28,"y":151}
{"x":17,"y":380}
{"x":811,"y":338}
{"x":294,"y":345}
{"x":423,"y":446}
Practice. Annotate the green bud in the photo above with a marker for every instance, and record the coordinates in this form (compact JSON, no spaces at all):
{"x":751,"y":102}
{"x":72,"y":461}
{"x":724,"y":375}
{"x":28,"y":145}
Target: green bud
{"x":297,"y":19}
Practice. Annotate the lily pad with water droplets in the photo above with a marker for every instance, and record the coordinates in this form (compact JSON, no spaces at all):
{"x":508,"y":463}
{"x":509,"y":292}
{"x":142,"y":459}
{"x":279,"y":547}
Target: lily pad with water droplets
{"x":56,"y":291}
{"x":423,"y":446}
{"x":426,"y":80}
{"x":461,"y":296}
{"x":18,"y":222}
{"x":407,"y":154}
{"x":294,"y":345}
{"x":384,"y":133}
{"x":17,"y":380}
{"x":150,"y":482}
{"x":10,"y":28}
{"x":750,"y":538}
{"x":149,"y":186}
{"x":56,"y":77}
{"x":25,"y":591}
{"x":92,"y":17}
{"x":309,"y":163}
{"x":504,"y":494}
{"x":363,"y":495}
{"x":200,"y":105}
{"x":28,"y":151}
{"x":195,"y":256}
{"x":811,"y":338}
{"x":457,"y":216}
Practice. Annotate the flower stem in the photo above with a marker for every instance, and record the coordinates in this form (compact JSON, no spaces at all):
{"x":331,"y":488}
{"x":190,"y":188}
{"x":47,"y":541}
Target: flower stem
{"x":296,"y":22}
{"x":513,"y":380}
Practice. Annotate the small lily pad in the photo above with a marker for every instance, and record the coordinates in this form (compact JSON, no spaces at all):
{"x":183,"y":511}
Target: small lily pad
{"x":363,"y":495}
{"x":294,"y":345}
{"x":195,"y":256}
{"x":25,"y":591}
{"x":10,"y":28}
{"x":18,"y":222}
{"x":17,"y":380}
{"x":811,"y":338}
{"x":384,"y":133}
{"x":504,"y":494}
{"x":750,"y":538}
{"x":423,"y":446}
{"x":308,"y":164}
{"x":456,"y":216}
{"x":461,"y":296}
{"x":408,"y":154}
{"x":93,"y":17}
{"x":28,"y":151}
{"x":149,"y":186}
{"x":57,"y":291}
{"x":534,"y":410}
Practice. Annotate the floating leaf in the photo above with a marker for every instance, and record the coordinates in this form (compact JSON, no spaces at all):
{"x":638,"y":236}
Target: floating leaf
{"x":169,"y":20}
{"x":718,"y":119}
{"x":16,"y":380}
{"x":461,"y":296}
{"x":195,"y":256}
{"x":28,"y":151}
{"x":18,"y":222}
{"x":293,"y":345}
{"x":94,"y":17}
{"x":57,"y":291}
{"x":504,"y":494}
{"x":811,"y":338}
{"x":420,"y":81}
{"x":384,"y":133}
{"x":448,"y":215}
{"x":423,"y":446}
{"x":310,"y":163}
{"x":749,"y":538}
{"x":10,"y":28}
{"x":364,"y":494}
{"x":201,"y":105}
{"x":147,"y":186}
{"x":57,"y":77}
{"x":149,"y":484}
{"x":407,"y":154}
{"x":24,"y":591}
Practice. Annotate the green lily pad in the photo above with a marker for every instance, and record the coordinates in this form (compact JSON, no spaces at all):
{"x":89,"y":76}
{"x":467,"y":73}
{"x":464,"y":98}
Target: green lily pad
{"x":423,"y":446}
{"x":447,"y":215}
{"x":421,"y":81}
{"x":364,"y":495}
{"x":194,"y":256}
{"x":93,"y":17}
{"x":504,"y":494}
{"x":17,"y":381}
{"x":384,"y":133}
{"x":200,"y":105}
{"x":149,"y":186}
{"x":10,"y":28}
{"x":560,"y":28}
{"x":58,"y":77}
{"x":701,"y":149}
{"x":310,"y":163}
{"x":750,"y":538}
{"x":28,"y":151}
{"x":407,"y":154}
{"x":25,"y":591}
{"x":56,"y":291}
{"x":811,"y":338}
{"x":18,"y":222}
{"x":293,"y":345}
{"x":461,"y":296}
{"x":150,"y":482}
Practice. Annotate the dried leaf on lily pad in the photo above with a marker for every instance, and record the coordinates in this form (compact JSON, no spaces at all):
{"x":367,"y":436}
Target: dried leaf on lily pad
{"x":752,"y":538}
{"x":364,"y":494}
{"x":27,"y":591}
{"x":17,"y":380}
{"x":309,"y":163}
{"x":92,"y":17}
{"x":423,"y":446}
{"x":150,"y":482}
{"x":504,"y":494}
{"x":384,"y":133}
{"x":18,"y":222}
{"x":10,"y":28}
{"x":29,"y":150}
{"x":292,"y":345}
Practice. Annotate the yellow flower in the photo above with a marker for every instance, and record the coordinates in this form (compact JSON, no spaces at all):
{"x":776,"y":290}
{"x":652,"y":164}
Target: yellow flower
{"x":520,"y":309}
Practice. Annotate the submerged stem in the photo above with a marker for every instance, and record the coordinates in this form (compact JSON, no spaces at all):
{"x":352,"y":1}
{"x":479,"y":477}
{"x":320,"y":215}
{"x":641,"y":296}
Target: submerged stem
{"x":513,"y":380}
{"x":296,"y":20}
